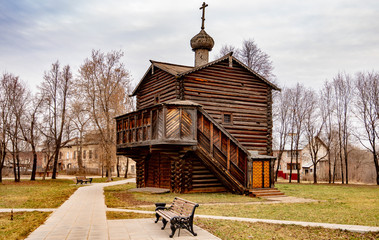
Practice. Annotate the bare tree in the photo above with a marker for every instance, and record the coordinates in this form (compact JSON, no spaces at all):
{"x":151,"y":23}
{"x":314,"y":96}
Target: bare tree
{"x":343,"y":94}
{"x":298,"y":107}
{"x":104,"y":83}
{"x":80,"y":118}
{"x":15,"y":92}
{"x":314,"y":124}
{"x":327,"y":108}
{"x":367,"y":107}
{"x":281,"y":127}
{"x":56,"y":89}
{"x":251,"y":55}
{"x":4,"y":119}
{"x":225,"y":49}
{"x":30,"y":128}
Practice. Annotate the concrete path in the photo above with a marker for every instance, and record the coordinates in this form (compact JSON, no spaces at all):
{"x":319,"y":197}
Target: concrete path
{"x":83,"y":216}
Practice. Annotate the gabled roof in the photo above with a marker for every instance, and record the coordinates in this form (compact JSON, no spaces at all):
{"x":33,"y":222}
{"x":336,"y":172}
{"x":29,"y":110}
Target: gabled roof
{"x":181,"y":70}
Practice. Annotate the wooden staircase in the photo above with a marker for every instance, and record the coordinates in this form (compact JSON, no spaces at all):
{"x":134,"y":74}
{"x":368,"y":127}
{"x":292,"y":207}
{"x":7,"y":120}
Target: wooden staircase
{"x":265,"y":192}
{"x":205,"y":181}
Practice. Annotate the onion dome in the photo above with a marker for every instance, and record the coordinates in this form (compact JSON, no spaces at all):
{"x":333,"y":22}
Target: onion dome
{"x":202,"y":41}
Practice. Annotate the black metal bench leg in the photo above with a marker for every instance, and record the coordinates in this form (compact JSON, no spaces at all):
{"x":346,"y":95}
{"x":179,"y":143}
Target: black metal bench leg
{"x":164,"y":221}
{"x":157,"y":215}
{"x":173,"y":229}
{"x":191,"y":230}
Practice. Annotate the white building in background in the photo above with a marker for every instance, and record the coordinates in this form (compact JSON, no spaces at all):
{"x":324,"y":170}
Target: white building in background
{"x":92,"y":159}
{"x":305,"y":163}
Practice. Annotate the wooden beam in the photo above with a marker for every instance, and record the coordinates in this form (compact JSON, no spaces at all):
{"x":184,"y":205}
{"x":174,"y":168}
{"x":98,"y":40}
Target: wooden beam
{"x":211,"y":138}
{"x":228,"y":154}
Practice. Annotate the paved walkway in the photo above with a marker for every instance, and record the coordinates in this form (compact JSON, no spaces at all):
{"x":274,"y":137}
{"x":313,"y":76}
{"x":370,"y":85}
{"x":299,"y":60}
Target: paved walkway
{"x":83,"y":216}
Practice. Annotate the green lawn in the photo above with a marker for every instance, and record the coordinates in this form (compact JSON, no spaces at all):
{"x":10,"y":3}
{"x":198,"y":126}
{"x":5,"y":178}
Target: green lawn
{"x":119,"y":197}
{"x":21,"y":225}
{"x":228,"y":230}
{"x":104,"y":179}
{"x":35,"y":194}
{"x":356,"y":205}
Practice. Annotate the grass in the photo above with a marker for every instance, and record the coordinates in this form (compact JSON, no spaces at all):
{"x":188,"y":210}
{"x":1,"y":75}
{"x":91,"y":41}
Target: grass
{"x":119,"y":197}
{"x":228,"y":230}
{"x":21,"y":225}
{"x":127,"y":215}
{"x":35,"y":194}
{"x":355,"y":205}
{"x":104,"y":179}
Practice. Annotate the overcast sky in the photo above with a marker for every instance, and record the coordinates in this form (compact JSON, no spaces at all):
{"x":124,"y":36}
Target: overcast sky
{"x":308,"y":41}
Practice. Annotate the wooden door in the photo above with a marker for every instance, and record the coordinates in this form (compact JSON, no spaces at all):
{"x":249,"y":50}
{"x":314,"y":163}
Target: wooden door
{"x":261,"y":174}
{"x":158,"y":171}
{"x":257,"y":174}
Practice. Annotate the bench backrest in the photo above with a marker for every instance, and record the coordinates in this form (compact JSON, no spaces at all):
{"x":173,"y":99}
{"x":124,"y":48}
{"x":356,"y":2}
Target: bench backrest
{"x":81,"y":178}
{"x":183,"y":207}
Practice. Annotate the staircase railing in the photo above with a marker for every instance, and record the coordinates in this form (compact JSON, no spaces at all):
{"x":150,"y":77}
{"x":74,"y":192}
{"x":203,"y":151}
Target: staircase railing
{"x":231,"y":158}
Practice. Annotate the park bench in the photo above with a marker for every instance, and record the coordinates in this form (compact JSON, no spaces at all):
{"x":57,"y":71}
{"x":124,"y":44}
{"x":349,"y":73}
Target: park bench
{"x":83,"y":179}
{"x":180,"y":215}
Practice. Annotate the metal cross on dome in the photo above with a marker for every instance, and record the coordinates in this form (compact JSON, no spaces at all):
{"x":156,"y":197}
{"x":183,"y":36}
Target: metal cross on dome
{"x":203,"y":17}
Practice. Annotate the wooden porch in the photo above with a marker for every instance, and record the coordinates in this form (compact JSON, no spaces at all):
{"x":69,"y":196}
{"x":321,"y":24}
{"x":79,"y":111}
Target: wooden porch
{"x":179,"y":146}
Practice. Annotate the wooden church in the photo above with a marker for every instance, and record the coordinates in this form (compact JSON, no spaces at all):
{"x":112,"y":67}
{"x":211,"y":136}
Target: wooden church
{"x":206,"y":128}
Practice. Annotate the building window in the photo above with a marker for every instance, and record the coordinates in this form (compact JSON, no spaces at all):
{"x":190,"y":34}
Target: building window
{"x":95,"y":154}
{"x":132,"y":169}
{"x":294,"y":166}
{"x":90,"y":154}
{"x":280,"y":167}
{"x":60,"y":155}
{"x":157,"y":98}
{"x":84,"y":154}
{"x":227,"y":118}
{"x":68,"y":155}
{"x":74,"y":154}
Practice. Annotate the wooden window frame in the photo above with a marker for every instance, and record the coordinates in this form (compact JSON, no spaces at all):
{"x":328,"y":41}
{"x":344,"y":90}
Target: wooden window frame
{"x":157,"y":96}
{"x":223,"y":118}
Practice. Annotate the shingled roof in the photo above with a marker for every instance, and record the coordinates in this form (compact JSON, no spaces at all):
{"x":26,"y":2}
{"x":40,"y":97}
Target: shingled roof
{"x":181,"y":70}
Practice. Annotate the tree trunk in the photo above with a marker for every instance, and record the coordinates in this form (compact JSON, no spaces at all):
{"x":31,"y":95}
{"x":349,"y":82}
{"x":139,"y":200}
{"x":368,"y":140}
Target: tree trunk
{"x":346,"y":166}
{"x":342,"y":175}
{"x":290,"y":177}
{"x":315,"y":173}
{"x":55,"y":164}
{"x":2,"y":160}
{"x":277,"y":167}
{"x":297,"y":167}
{"x":118,"y":167}
{"x":34,"y":168}
{"x":18,"y":167}
{"x":14,"y":166}
{"x":330,"y":167}
{"x":376,"y":167}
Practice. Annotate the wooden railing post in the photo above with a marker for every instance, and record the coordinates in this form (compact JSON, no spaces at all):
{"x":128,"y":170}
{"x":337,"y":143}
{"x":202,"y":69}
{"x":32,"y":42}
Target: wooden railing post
{"x":151,"y":125}
{"x":211,"y":138}
{"x":228,"y":155}
{"x":164,"y":122}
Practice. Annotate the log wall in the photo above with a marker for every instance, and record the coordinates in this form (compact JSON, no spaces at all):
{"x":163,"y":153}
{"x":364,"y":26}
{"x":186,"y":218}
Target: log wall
{"x":159,"y":84}
{"x":234,"y":90}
